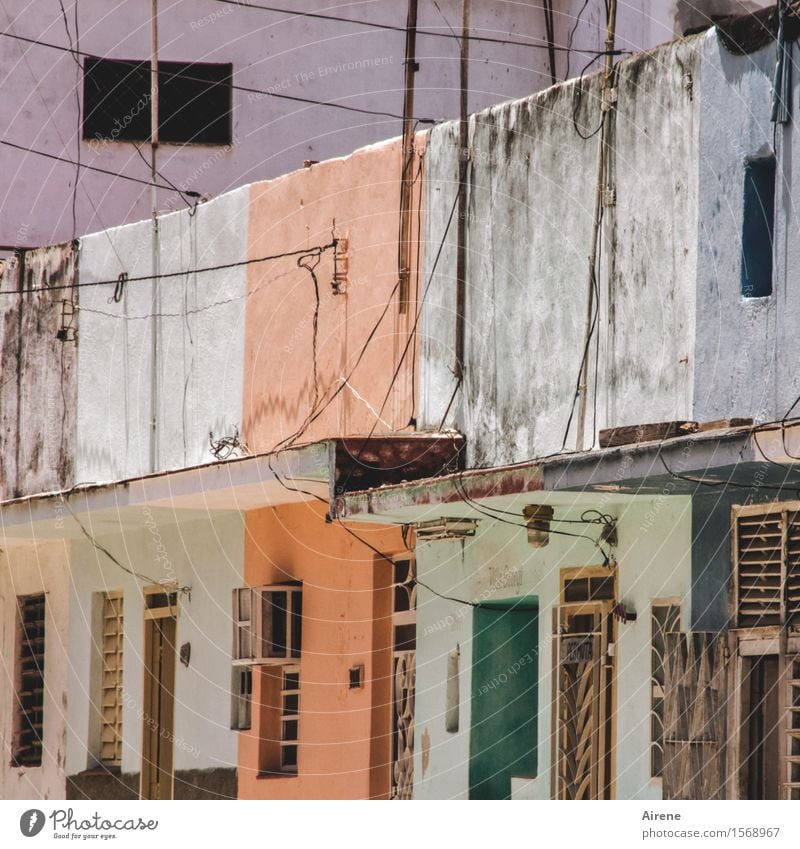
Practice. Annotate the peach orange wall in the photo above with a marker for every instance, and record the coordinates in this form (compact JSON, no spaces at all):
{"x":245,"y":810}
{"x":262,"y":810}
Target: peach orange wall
{"x":357,"y":198}
{"x":344,"y":734}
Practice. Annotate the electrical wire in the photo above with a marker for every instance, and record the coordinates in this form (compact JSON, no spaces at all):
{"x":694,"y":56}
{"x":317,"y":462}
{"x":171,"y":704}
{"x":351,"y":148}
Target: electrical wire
{"x":412,"y":334}
{"x":303,"y":262}
{"x":141,"y":576}
{"x":86,"y":167}
{"x":537,"y":44}
{"x":250,"y":90}
{"x":315,"y":414}
{"x":729,"y":482}
{"x":481,"y":508}
{"x":391,"y":563}
{"x":571,"y":35}
{"x":167,"y":274}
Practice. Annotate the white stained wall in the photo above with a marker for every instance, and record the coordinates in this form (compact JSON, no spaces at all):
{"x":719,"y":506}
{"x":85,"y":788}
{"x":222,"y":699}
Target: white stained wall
{"x":200,"y":331}
{"x":531,"y":190}
{"x":746,"y":362}
{"x":203,"y":554}
{"x":498,"y":563}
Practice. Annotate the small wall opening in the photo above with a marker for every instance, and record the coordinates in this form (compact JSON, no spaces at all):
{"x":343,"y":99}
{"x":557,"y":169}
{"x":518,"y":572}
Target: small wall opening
{"x":758,"y":225}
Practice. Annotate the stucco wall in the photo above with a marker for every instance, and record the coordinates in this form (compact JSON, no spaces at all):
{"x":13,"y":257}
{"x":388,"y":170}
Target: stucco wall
{"x":498,"y":563}
{"x":200,"y":332}
{"x":530,"y":204}
{"x":361,"y":335}
{"x":344,"y":734}
{"x":203,"y":554}
{"x":38,"y":383}
{"x":288,"y":55}
{"x":743,"y":363}
{"x":29,"y":570}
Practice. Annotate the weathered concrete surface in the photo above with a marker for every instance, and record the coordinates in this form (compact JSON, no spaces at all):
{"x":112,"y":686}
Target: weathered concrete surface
{"x":200,"y":337}
{"x":38,"y":386}
{"x":193,"y":784}
{"x":530,"y":204}
{"x":745,"y":358}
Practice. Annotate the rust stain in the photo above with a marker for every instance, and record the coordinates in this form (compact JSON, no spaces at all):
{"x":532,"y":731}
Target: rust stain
{"x":426,"y":751}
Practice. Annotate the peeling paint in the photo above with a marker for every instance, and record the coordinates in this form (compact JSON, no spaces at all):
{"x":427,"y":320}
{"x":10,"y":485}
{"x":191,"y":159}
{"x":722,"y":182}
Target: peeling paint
{"x":426,"y":751}
{"x":38,"y":397}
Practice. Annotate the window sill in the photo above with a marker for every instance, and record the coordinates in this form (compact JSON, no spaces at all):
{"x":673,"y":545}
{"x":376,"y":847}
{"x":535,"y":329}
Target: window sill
{"x":261,"y":776}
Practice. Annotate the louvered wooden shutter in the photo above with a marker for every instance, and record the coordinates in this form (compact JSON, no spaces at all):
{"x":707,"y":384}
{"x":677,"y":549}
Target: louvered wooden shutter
{"x":759,"y":569}
{"x":111,"y":695}
{"x":767,"y":568}
{"x":29,"y":704}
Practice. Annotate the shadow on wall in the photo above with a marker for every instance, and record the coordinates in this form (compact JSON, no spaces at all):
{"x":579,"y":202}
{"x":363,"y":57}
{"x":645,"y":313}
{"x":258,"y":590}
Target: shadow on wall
{"x":692,"y":15}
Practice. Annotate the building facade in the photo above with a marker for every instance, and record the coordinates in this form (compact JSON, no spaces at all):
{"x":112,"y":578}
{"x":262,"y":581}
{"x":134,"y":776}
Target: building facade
{"x":295,"y":507}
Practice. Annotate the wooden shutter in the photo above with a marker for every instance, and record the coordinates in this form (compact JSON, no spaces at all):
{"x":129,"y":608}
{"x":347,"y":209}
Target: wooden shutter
{"x":792,"y":742}
{"x":759,"y":576}
{"x":243,"y":625}
{"x":29,"y":705}
{"x":695,"y":714}
{"x":111,"y":687}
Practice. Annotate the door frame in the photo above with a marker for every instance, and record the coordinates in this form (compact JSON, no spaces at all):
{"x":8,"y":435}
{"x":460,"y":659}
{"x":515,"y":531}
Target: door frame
{"x":746,"y":644}
{"x":158,"y":699}
{"x":608,"y":646}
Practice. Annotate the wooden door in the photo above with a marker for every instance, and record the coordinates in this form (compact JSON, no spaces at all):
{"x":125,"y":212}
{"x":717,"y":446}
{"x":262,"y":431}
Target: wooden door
{"x":695,"y":716}
{"x":158,"y":731}
{"x":584,"y":700}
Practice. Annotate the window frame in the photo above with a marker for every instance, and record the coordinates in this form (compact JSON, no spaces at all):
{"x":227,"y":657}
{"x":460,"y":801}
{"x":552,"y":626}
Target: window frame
{"x":668,"y":604}
{"x":252,"y":630}
{"x":139,"y":111}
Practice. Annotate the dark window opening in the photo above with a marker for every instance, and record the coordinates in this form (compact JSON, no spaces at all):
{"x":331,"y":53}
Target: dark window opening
{"x":194,"y":101}
{"x":356,"y":677}
{"x":758,"y":226}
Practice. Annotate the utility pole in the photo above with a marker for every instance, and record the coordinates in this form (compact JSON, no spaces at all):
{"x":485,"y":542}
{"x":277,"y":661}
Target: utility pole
{"x":463,"y":166}
{"x":407,"y":177}
{"x":606,"y":106}
{"x":155,"y":257}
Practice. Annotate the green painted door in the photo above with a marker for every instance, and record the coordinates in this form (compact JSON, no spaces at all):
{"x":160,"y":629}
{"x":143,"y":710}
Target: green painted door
{"x":505,"y":685}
